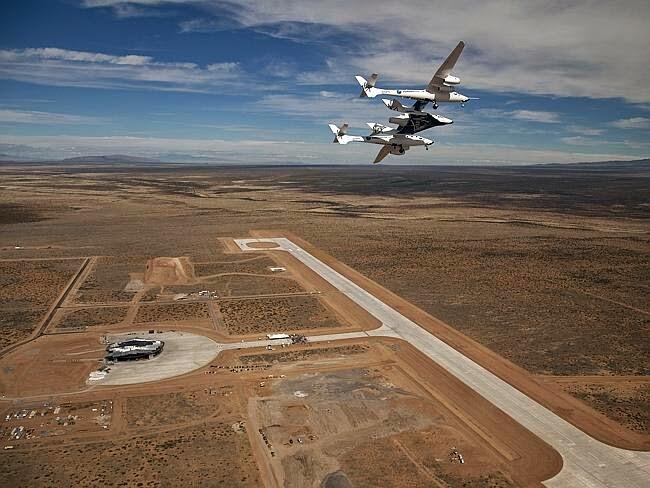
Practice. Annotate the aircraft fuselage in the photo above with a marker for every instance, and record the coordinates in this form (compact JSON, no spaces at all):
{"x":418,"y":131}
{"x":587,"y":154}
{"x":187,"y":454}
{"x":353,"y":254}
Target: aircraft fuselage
{"x":398,"y":139}
{"x":423,"y":95}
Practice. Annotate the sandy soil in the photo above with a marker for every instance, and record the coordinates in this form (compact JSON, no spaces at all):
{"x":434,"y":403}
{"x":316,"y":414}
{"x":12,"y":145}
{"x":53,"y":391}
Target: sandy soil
{"x":533,"y":265}
{"x":24,"y":305}
{"x":361,"y":397}
{"x":172,"y":312}
{"x":624,"y":400}
{"x":89,"y":317}
{"x":275,"y":314}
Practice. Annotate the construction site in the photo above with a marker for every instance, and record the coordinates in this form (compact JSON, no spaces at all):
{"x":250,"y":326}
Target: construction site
{"x":258,"y":359}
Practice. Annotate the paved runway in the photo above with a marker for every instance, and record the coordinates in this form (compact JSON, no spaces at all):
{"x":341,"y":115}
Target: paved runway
{"x":587,"y":462}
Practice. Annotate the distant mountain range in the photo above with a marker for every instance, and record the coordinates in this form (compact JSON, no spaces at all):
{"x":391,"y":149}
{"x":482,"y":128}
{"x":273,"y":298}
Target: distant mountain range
{"x":99,"y":159}
{"x":632,"y":165}
{"x":110,"y":158}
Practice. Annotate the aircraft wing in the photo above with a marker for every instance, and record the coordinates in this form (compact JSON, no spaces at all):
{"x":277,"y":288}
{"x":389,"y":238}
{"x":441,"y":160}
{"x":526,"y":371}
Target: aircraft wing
{"x":445,"y":68}
{"x":383,"y":152}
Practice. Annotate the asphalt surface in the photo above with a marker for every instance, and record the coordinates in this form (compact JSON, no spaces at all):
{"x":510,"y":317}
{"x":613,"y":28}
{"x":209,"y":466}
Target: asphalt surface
{"x":587,"y":461}
{"x":183,"y":352}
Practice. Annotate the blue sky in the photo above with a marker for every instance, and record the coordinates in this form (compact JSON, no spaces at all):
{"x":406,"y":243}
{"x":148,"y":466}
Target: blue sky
{"x":257,"y":82}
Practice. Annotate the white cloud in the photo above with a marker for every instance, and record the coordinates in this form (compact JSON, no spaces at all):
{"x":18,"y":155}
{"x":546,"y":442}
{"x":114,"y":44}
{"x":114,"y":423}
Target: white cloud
{"x":527,"y":115}
{"x":632,"y":123}
{"x":536,"y":116}
{"x":543,"y":47}
{"x":585,"y":131}
{"x":62,"y":67}
{"x":581,"y":141}
{"x":35,"y":117}
{"x":68,"y":55}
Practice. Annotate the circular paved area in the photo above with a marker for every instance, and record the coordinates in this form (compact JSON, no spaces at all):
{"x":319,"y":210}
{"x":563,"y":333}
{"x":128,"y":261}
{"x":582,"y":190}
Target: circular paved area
{"x":183,"y":352}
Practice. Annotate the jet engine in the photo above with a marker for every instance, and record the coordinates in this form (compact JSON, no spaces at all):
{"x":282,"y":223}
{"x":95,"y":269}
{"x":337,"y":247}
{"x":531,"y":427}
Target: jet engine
{"x":401,"y":120}
{"x":451,"y":80}
{"x":398,"y":150}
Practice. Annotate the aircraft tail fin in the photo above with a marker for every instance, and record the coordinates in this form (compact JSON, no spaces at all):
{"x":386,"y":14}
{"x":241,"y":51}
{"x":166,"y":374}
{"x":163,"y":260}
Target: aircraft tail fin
{"x":368,"y":86}
{"x":377,"y":128}
{"x":340,"y":134}
{"x":394,"y":105}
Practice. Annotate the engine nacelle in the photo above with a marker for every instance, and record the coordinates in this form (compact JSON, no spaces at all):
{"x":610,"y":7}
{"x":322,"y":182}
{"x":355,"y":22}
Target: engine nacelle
{"x":452,"y":80}
{"x":398,"y":150}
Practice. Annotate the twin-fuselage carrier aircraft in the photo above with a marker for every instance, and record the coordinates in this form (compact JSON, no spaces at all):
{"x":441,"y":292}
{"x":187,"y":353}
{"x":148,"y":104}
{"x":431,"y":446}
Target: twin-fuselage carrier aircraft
{"x":411,"y":120}
{"x":396,"y":140}
{"x":441,"y":88}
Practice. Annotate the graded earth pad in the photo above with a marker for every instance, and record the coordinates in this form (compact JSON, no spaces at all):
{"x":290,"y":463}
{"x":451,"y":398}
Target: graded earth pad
{"x":315,"y":425}
{"x":260,"y":265}
{"x":164,"y":409}
{"x":169,"y":271}
{"x":50,"y":364}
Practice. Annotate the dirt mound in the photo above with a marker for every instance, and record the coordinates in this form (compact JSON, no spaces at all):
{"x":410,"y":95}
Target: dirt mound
{"x":169,"y":271}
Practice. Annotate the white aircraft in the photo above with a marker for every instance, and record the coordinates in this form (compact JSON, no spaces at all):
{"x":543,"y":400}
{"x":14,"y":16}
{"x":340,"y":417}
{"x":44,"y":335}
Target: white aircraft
{"x":440,"y":88}
{"x":393,"y":141}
